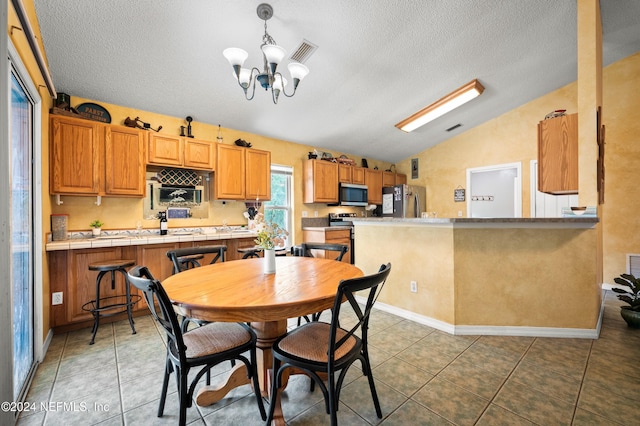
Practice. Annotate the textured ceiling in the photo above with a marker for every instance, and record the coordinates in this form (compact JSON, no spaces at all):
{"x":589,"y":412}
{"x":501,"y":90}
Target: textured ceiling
{"x":377,"y":62}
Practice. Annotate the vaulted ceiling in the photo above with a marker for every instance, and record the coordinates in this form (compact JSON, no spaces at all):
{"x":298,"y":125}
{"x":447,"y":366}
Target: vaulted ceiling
{"x":377,"y":61}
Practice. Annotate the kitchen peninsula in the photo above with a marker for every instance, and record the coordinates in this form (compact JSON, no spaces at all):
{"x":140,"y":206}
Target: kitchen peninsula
{"x":502,"y":276}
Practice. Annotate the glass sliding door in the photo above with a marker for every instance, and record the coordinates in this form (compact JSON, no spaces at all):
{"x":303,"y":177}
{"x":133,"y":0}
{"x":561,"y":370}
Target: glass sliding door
{"x":21,"y":203}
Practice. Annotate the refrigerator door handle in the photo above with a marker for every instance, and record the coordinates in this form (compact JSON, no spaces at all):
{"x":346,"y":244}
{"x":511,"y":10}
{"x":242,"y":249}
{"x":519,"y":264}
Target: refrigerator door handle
{"x":416,"y":205}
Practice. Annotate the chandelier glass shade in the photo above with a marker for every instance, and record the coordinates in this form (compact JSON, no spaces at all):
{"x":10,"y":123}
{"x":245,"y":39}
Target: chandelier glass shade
{"x":269,"y":78}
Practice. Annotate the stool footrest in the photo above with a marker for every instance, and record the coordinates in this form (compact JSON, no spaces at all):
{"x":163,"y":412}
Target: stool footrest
{"x":91,"y":306}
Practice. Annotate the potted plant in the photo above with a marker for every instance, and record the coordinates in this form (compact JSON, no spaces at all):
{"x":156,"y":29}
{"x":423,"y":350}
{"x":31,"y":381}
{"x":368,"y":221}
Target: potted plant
{"x":631,"y":296}
{"x":96,"y":225}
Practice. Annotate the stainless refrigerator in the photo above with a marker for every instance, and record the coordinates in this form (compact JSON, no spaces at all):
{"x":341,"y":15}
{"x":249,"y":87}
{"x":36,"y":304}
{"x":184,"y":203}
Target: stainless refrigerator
{"x":404,"y":201}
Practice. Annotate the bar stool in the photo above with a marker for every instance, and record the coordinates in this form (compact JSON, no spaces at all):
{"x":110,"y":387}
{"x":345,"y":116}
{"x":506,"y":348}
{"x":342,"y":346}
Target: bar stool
{"x":96,"y":306}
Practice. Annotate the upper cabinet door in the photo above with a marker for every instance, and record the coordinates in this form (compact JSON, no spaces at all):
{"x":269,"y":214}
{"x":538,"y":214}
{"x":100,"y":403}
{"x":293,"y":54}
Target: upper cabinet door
{"x":320,"y":181}
{"x":124,"y":161}
{"x":388,"y":178}
{"x":165,"y":150}
{"x":558,"y":155}
{"x":345,"y":173}
{"x":199,"y":154}
{"x":258,"y":175}
{"x":373,"y":180}
{"x":357,"y":175}
{"x":401,"y":179}
{"x":230,"y":172}
{"x":76,"y":148}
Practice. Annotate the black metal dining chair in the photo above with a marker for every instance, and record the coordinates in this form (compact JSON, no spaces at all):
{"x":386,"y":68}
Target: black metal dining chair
{"x":318,"y":347}
{"x":204,"y":347}
{"x":307,"y":250}
{"x":189,"y":257}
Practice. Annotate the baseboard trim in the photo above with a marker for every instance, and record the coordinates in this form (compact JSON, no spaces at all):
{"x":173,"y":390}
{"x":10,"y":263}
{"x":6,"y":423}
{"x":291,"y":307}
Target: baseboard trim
{"x":45,"y":344}
{"x":573,"y":333}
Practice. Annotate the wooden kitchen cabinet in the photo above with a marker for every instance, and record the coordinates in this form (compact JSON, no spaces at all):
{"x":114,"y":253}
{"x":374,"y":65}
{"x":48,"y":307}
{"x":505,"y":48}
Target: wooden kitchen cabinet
{"x":345,"y":173}
{"x":357,"y":175}
{"x":320,"y":181}
{"x":90,"y":158}
{"x":329,"y":236}
{"x":350,"y":174}
{"x":373,"y":180}
{"x":74,"y":162}
{"x":388,"y":179}
{"x":199,"y":154}
{"x":257,"y":175}
{"x":69,"y":273}
{"x":558,"y":155}
{"x":242,"y":173}
{"x":401,"y":179}
{"x":124,"y":161}
{"x":178,"y":151}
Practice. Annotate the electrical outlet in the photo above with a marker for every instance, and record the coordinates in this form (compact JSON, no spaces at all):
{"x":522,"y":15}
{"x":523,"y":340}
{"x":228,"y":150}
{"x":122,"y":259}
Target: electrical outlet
{"x":315,"y":213}
{"x":305,"y":213}
{"x":56,"y":298}
{"x":414,"y":286}
{"x":459,"y":213}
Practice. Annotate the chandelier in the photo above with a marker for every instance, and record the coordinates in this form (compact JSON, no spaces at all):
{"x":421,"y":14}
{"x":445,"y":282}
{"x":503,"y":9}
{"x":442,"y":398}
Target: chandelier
{"x":269,"y":77}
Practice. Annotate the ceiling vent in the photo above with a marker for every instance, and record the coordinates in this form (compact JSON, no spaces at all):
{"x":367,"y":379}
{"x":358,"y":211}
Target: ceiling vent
{"x":454,"y":127}
{"x":304,"y":50}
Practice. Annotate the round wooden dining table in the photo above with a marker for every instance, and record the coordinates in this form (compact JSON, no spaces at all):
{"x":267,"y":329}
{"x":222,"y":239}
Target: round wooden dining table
{"x":239,"y":291}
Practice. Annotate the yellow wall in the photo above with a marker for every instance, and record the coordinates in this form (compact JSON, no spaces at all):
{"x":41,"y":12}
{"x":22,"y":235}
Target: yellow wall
{"x":621,"y":117}
{"x":512,"y":137}
{"x":492,"y":276}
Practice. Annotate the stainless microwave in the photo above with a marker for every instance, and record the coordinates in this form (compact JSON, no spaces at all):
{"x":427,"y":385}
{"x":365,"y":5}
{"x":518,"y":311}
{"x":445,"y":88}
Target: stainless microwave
{"x":351,"y":194}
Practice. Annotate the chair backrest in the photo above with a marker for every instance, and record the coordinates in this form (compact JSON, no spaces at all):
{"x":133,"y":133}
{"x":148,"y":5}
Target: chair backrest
{"x":347,"y":290}
{"x":175,"y":255}
{"x":305,"y":249}
{"x":156,"y":297}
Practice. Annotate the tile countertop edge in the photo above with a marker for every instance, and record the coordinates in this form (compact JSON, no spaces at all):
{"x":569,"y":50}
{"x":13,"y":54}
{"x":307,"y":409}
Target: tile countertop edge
{"x":554,"y":222}
{"x":73,"y":244}
{"x":324,"y":228}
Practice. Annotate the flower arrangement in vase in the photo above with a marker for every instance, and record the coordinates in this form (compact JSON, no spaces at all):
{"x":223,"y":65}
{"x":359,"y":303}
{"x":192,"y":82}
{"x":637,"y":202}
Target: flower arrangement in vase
{"x":270,"y":235}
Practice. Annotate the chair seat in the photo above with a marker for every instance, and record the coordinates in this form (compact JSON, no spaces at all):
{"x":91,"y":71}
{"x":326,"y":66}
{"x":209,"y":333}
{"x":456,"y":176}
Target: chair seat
{"x":310,"y":340}
{"x":215,"y":338}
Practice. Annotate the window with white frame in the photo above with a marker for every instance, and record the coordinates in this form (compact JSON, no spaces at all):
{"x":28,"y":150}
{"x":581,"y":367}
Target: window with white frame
{"x":279,"y":208}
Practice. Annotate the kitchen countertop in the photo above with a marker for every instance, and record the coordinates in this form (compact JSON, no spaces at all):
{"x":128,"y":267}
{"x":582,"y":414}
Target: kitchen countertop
{"x":524,"y":222}
{"x":83,"y":240}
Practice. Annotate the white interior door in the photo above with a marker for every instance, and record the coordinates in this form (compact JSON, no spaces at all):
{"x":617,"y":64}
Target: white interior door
{"x":547,"y":205}
{"x":495,"y":191}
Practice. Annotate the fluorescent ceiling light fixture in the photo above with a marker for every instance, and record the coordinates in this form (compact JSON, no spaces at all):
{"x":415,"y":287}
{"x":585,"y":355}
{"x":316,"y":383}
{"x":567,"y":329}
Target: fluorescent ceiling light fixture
{"x":442,"y":106}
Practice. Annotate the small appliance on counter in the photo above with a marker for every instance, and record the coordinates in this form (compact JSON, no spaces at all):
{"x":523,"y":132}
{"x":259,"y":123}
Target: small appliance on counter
{"x":404,"y":201}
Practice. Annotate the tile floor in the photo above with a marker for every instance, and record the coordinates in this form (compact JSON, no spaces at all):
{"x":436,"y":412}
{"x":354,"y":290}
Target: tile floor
{"x":423,"y":377}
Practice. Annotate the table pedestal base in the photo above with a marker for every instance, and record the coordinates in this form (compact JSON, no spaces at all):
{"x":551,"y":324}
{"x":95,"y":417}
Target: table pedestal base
{"x":267,"y":333}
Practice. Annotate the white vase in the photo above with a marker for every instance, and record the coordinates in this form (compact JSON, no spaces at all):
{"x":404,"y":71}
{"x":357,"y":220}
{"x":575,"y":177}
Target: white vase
{"x":269,"y":261}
